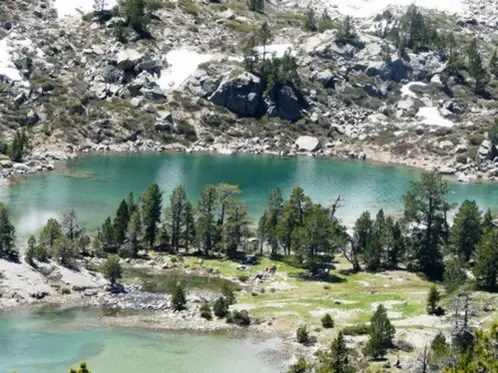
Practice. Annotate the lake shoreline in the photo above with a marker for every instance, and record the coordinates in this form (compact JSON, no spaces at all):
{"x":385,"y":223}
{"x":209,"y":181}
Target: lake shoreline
{"x":53,"y":157}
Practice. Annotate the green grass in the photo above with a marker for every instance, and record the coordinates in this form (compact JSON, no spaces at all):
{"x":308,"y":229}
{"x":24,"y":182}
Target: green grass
{"x":241,"y":26}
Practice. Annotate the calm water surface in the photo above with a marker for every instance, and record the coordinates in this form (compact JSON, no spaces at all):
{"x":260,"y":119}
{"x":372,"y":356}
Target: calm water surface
{"x":94,"y":185}
{"x":54,"y":341}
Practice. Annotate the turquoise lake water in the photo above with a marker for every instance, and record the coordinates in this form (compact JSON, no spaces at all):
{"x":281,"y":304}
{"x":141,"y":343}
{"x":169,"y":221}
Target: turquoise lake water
{"x":54,"y":342}
{"x":94,"y":185}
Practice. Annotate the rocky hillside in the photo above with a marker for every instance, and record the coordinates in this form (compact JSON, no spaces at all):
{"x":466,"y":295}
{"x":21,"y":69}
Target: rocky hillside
{"x":363,"y":87}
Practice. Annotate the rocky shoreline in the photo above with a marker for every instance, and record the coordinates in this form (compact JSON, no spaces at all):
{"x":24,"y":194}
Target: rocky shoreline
{"x":45,"y":158}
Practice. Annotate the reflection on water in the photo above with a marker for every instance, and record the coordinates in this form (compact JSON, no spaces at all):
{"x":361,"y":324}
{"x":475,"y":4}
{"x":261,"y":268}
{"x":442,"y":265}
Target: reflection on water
{"x":51,"y":340}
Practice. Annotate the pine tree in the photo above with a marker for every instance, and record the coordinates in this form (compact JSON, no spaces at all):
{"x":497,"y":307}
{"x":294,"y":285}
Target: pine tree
{"x":381,"y":334}
{"x":112,"y":269}
{"x":325,"y":22}
{"x":151,"y":202}
{"x":395,"y":243}
{"x":189,"y":220}
{"x":292,"y":218}
{"x":346,"y":32}
{"x":265,"y":37}
{"x":432,"y":300}
{"x":235,"y":226}
{"x":120,"y":223}
{"x":18,"y":146}
{"x":425,"y":209}
{"x":251,"y":55}
{"x":137,"y":14}
{"x":364,"y":241}
{"x":179,"y":297}
{"x":487,"y":221}
{"x":7,"y":235}
{"x":106,"y":237}
{"x":256,"y":5}
{"x":70,"y":226}
{"x":339,"y":356}
{"x":272,"y":216}
{"x":454,"y":275}
{"x":133,"y":233}
{"x":205,"y":227}
{"x":310,"y":21}
{"x":486,"y":260}
{"x":50,"y":233}
{"x":175,"y":215}
{"x":301,"y":366}
{"x":493,"y":65}
{"x":466,"y":230}
{"x":476,"y":68}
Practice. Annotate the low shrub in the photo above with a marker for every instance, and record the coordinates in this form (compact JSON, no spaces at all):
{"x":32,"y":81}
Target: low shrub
{"x":220,"y":308}
{"x":302,"y":335}
{"x":206,"y":312}
{"x":327,"y":321}
{"x":228,"y":294}
{"x":358,"y":329}
{"x":243,"y":278}
{"x":240,"y":318}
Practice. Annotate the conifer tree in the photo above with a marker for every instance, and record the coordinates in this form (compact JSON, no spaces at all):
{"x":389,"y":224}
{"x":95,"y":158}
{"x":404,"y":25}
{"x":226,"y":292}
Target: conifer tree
{"x":265,"y":37}
{"x":189,"y":231}
{"x":251,"y":55}
{"x":339,"y":356}
{"x":133,"y":233}
{"x":465,"y":232}
{"x":50,"y":233}
{"x":381,"y":334}
{"x":179,"y":297}
{"x":493,"y":65}
{"x":106,"y":237}
{"x":487,"y":221}
{"x":120,"y":223}
{"x":112,"y":269}
{"x":205,"y":227}
{"x":476,"y":68}
{"x":175,"y":215}
{"x":151,"y":202}
{"x":433,"y":299}
{"x":325,"y":22}
{"x":235,"y":226}
{"x":310,"y":21}
{"x":486,"y":260}
{"x":7,"y":235}
{"x":272,"y":216}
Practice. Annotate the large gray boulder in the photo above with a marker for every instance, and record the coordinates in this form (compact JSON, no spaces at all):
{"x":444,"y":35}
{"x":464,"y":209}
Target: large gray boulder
{"x":128,"y":59}
{"x":325,"y":78}
{"x":486,"y":152}
{"x":242,"y":95}
{"x":307,"y":143}
{"x":425,"y":65}
{"x":202,"y":84}
{"x":286,"y":102}
{"x":110,"y":74}
{"x":393,"y":70}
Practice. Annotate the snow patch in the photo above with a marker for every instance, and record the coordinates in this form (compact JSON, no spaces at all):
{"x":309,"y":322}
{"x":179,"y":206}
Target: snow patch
{"x":8,"y":70}
{"x":182,"y":64}
{"x":370,"y":8}
{"x":430,"y":116}
{"x":406,"y":89}
{"x":71,"y":8}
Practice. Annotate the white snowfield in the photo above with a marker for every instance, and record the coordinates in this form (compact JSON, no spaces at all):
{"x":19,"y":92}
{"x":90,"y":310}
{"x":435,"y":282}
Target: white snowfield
{"x":71,"y":8}
{"x":182,"y":64}
{"x":8,"y":71}
{"x":430,"y":116}
{"x":407,"y":91}
{"x":370,"y":8}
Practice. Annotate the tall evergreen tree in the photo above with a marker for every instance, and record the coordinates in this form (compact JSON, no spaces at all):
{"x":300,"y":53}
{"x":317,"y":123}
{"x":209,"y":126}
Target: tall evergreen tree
{"x":425,"y":211}
{"x":486,"y":260}
{"x":133,"y":233}
{"x":70,"y":226}
{"x":7,"y":235}
{"x":50,"y":233}
{"x":433,"y":299}
{"x":120,"y":223}
{"x":205,"y":227}
{"x":487,"y":221}
{"x":256,"y":5}
{"x":395,"y":243}
{"x":189,"y":220}
{"x":364,"y":242}
{"x":225,"y":193}
{"x":265,"y":37}
{"x":381,"y":334}
{"x":465,"y":232}
{"x":112,"y":269}
{"x":476,"y":68}
{"x":175,"y":215}
{"x":251,"y":55}
{"x":339,"y":356}
{"x":18,"y":146}
{"x":272,"y":217}
{"x":235,"y":226}
{"x":106,"y":237}
{"x":151,"y":202}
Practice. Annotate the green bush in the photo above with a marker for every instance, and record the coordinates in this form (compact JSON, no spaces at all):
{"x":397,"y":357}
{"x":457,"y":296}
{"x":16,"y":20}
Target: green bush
{"x":179,"y":298}
{"x":4,"y":148}
{"x":206,"y":312}
{"x":327,"y":321}
{"x":187,"y":130}
{"x":220,"y":308}
{"x":228,"y":294}
{"x":461,"y":158}
{"x":302,"y":335}
{"x":243,"y":278}
{"x":476,"y":140}
{"x":240,"y":318}
{"x":358,"y":329}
